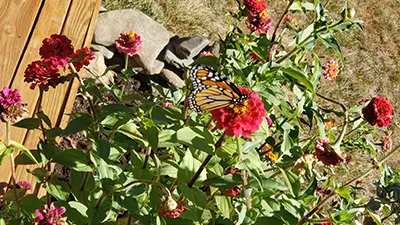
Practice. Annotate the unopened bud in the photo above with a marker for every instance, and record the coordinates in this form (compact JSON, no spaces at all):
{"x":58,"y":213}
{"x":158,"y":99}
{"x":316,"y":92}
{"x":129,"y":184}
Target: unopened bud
{"x":171,"y":204}
{"x":351,"y":13}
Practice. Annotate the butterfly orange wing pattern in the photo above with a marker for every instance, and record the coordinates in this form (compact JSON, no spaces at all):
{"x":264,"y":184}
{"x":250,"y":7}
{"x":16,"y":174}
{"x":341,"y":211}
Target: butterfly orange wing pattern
{"x":210,"y":91}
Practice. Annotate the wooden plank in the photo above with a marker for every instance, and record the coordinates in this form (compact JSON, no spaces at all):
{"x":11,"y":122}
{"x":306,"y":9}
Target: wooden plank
{"x":16,"y":21}
{"x":75,"y":28}
{"x":51,"y":20}
{"x":70,"y":98}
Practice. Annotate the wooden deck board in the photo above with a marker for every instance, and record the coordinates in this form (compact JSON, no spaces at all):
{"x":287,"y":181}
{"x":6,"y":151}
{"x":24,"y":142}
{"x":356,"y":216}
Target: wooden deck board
{"x":73,"y":18}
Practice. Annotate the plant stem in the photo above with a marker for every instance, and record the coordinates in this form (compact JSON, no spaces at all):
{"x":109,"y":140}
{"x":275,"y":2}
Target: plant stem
{"x":100,"y":200}
{"x":146,"y":159}
{"x":8,"y":143}
{"x":206,"y":161}
{"x":187,"y":97}
{"x":366,"y":173}
{"x":247,"y":190}
{"x":280,"y":21}
{"x":84,"y":181}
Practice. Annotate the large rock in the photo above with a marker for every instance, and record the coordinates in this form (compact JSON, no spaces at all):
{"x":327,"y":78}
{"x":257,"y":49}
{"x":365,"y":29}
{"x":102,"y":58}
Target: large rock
{"x":154,"y":36}
{"x":171,"y":75}
{"x":170,"y":57}
{"x":98,"y":66}
{"x":189,"y":47}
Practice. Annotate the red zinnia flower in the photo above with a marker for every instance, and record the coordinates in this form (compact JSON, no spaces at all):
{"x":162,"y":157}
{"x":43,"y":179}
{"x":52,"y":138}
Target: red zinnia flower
{"x":255,"y":5}
{"x":82,"y":58}
{"x":58,"y":48}
{"x":50,"y":216}
{"x":42,"y":74}
{"x":129,"y":43}
{"x":259,"y":22}
{"x":242,"y":119}
{"x":327,"y":154}
{"x":171,"y":208}
{"x":9,"y":97}
{"x":379,"y":112}
{"x":234,"y":192}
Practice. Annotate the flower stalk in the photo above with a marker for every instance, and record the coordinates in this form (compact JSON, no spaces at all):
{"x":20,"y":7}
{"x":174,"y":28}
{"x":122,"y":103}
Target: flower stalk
{"x":8,"y":144}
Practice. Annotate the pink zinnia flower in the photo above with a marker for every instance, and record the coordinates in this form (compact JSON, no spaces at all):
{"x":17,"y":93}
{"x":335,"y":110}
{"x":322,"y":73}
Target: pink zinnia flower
{"x":57,"y":48}
{"x":171,"y":208}
{"x":378,"y":112}
{"x":206,"y":53}
{"x":269,"y":121}
{"x":50,"y":216}
{"x":259,"y":22}
{"x":9,"y":97}
{"x":256,"y":6}
{"x":129,"y":43}
{"x":331,"y":70}
{"x":167,"y":104}
{"x":24,"y":185}
{"x":327,"y":155}
{"x":82,"y":57}
{"x":241,"y":119}
{"x":290,"y":19}
{"x":42,"y":74}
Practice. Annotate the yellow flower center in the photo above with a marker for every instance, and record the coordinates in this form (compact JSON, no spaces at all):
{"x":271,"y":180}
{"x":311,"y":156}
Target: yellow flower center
{"x":131,"y":34}
{"x":295,"y":21}
{"x":333,"y":70}
{"x":263,"y":15}
{"x":239,"y":108}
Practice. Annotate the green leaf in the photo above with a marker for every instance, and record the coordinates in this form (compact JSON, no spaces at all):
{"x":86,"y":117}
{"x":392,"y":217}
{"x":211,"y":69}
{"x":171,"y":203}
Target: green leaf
{"x":74,"y":158}
{"x":4,"y":152}
{"x":195,"y":195}
{"x":224,"y":205}
{"x":344,"y":192}
{"x":81,"y":208}
{"x":23,"y":159}
{"x":165,"y":116}
{"x":44,"y":117}
{"x":299,"y":75}
{"x":103,"y":148}
{"x":188,"y":168}
{"x":330,"y":42}
{"x":28,"y":123}
{"x":77,"y":124}
{"x":210,"y":61}
{"x":292,"y":181}
{"x":224,"y":182}
{"x":40,"y":174}
{"x":196,"y":137}
{"x":58,"y":189}
{"x":165,"y":139}
{"x":24,"y":150}
{"x":151,"y":135}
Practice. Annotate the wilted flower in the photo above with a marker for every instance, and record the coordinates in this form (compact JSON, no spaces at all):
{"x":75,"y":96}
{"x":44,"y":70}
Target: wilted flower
{"x":24,"y":185}
{"x":274,"y":157}
{"x":241,"y":119}
{"x":387,"y":144}
{"x":331,"y":70}
{"x":82,"y":57}
{"x":171,"y":208}
{"x":167,"y":104}
{"x":129,"y":43}
{"x":329,"y":124}
{"x":206,"y":53}
{"x":14,"y":113}
{"x":378,"y":112}
{"x":304,"y":160}
{"x":259,"y":22}
{"x":50,"y":216}
{"x":327,"y":154}
{"x":292,"y":20}
{"x":42,"y":74}
{"x":9,"y":97}
{"x":57,"y":48}
{"x":256,"y":6}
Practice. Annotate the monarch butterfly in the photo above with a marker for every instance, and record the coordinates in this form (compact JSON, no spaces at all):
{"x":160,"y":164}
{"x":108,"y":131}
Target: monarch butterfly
{"x":210,"y":91}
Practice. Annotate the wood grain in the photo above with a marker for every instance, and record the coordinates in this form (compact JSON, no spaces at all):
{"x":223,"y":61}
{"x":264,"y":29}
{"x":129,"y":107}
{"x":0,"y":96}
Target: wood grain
{"x":75,"y":28}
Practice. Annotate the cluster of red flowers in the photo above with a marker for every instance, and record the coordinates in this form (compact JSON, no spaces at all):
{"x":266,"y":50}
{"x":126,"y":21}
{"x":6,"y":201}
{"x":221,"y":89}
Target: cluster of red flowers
{"x":55,"y":52}
{"x":242,"y":119}
{"x":378,"y":112}
{"x":50,"y":215}
{"x":257,"y":20}
{"x":235,"y":191}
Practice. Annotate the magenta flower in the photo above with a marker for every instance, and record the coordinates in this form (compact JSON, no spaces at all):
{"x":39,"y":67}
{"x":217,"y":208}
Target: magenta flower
{"x":24,"y":185}
{"x":82,"y":57}
{"x":57,"y":48}
{"x":129,"y":43}
{"x":9,"y":97}
{"x":50,"y":216}
{"x":259,"y":22}
{"x":167,"y":104}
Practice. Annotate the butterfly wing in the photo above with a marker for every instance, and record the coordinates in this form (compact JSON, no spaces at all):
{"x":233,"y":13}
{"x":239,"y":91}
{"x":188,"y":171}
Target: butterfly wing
{"x":212,"y":91}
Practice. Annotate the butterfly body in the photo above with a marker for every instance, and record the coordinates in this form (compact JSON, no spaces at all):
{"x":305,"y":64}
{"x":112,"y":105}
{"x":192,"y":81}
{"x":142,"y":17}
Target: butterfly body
{"x":211,"y":91}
